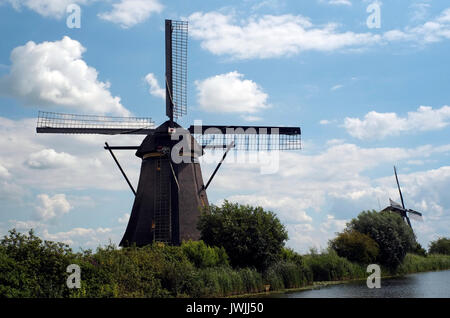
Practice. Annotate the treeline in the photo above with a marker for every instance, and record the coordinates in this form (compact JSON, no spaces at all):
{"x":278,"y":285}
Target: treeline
{"x":242,"y":251}
{"x":30,"y":267}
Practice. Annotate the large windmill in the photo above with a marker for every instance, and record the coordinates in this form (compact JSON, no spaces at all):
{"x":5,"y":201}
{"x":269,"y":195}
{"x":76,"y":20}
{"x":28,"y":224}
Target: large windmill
{"x":170,"y":192}
{"x":400,"y":209}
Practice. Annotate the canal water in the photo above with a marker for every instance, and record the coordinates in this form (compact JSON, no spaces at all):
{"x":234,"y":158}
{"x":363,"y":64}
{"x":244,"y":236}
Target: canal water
{"x":420,"y":285}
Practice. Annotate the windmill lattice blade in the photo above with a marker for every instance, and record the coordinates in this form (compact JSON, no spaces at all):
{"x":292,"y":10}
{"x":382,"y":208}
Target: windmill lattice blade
{"x":398,"y":185}
{"x":176,"y":68}
{"x":252,"y":138}
{"x":417,"y":216}
{"x":49,"y":122}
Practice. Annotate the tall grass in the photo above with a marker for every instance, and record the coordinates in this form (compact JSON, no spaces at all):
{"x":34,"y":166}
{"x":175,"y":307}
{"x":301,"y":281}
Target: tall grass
{"x":414,"y":263}
{"x":328,"y":266}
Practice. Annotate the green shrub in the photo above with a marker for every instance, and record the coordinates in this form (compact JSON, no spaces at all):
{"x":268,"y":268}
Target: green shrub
{"x":355,"y":246}
{"x":202,"y":256}
{"x":32,"y":267}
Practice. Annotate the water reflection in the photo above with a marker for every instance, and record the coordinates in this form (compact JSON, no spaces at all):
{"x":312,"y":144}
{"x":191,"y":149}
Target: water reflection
{"x":421,"y":285}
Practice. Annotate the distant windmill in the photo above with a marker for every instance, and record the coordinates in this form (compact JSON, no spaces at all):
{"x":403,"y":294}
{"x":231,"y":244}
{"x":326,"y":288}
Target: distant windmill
{"x":400,"y":209}
{"x":170,"y":194}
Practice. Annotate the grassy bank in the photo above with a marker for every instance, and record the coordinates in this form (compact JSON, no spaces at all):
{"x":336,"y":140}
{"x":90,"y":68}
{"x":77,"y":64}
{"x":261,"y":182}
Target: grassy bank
{"x":30,"y":267}
{"x":415,"y":263}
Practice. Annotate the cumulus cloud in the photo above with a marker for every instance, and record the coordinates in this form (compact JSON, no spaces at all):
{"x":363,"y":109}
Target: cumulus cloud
{"x":274,"y":36}
{"x":380,"y":125}
{"x":270,"y":36}
{"x":154,"y":87}
{"x":316,"y":194}
{"x":336,"y":180}
{"x":49,"y":158}
{"x":51,"y":207}
{"x":89,"y":236}
{"x":53,"y":162}
{"x":128,"y":13}
{"x":435,"y":30}
{"x":26,"y":225}
{"x":231,"y":93}
{"x":332,"y":225}
{"x":419,"y":10}
{"x":46,"y":8}
{"x":51,"y":74}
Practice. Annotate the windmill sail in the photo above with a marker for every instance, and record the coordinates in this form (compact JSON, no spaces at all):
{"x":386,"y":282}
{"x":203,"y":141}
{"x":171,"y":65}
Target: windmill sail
{"x":59,"y":123}
{"x":395,"y":207}
{"x":417,"y":216}
{"x":253,"y":138}
{"x":176,"y":68}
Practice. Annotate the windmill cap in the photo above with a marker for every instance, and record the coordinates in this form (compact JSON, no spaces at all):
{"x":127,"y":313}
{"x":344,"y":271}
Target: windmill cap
{"x":160,"y":137}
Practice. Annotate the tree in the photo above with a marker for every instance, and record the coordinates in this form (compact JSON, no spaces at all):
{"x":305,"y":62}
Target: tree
{"x":251,"y":236}
{"x":393,"y":236}
{"x":31,"y":267}
{"x":440,"y":246}
{"x":355,"y":246}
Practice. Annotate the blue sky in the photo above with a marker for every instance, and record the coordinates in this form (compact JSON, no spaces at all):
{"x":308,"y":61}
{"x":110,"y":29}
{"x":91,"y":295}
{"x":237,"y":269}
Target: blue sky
{"x":366,"y":99}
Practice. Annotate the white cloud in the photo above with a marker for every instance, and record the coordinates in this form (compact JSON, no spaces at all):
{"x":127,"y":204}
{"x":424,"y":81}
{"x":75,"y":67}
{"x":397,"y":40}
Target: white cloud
{"x":273,"y":36}
{"x":128,"y":13}
{"x":270,"y":36}
{"x":124,"y":219}
{"x":380,"y":125}
{"x":230,"y":93}
{"x":4,"y":173}
{"x":287,"y":208}
{"x":432,"y":31}
{"x":65,"y":162}
{"x":267,"y":4}
{"x":87,"y":236}
{"x":53,"y":74}
{"x":419,"y":10}
{"x":340,"y":2}
{"x":328,"y":188}
{"x":46,"y":8}
{"x":252,"y":118}
{"x":332,"y":225}
{"x":52,"y":207}
{"x":336,"y":87}
{"x":155,"y":89}
{"x":26,"y":225}
{"x":49,"y":158}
